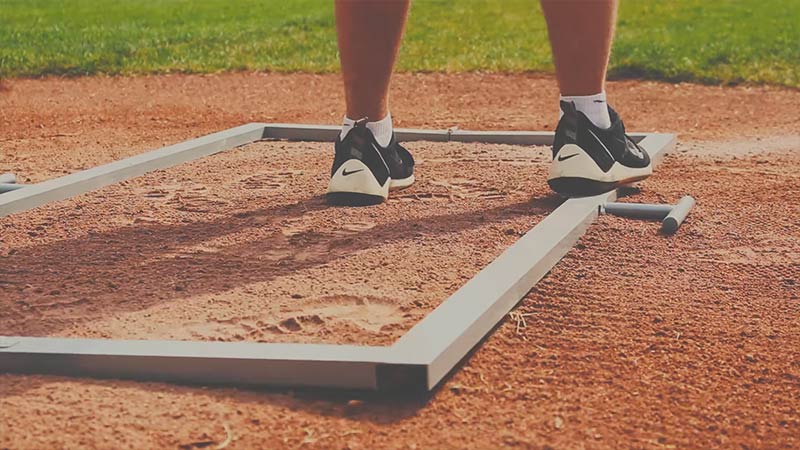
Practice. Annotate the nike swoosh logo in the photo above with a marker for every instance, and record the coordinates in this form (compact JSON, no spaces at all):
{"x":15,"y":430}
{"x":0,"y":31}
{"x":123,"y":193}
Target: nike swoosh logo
{"x":564,"y":158}
{"x":346,"y":173}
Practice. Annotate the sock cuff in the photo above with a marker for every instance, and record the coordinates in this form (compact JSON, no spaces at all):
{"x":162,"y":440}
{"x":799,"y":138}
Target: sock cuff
{"x":594,"y":107}
{"x":578,"y":98}
{"x":382,"y":129}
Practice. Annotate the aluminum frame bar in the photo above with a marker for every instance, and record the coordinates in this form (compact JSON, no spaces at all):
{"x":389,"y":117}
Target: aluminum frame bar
{"x":230,"y":363}
{"x":446,"y":335}
{"x":328,"y":133}
{"x":8,"y":178}
{"x":101,"y":176}
{"x":419,"y":360}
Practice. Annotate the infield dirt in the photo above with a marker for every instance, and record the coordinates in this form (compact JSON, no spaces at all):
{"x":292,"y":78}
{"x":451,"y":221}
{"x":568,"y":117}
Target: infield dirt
{"x":242,"y":246}
{"x":634,"y":340}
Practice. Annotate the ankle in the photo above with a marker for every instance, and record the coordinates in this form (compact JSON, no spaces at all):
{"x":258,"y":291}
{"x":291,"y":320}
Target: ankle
{"x":594,"y":107}
{"x":381,"y":129}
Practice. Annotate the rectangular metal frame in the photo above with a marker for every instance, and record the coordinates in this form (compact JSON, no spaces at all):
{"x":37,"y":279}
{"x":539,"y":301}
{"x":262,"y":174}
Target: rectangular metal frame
{"x":419,"y":360}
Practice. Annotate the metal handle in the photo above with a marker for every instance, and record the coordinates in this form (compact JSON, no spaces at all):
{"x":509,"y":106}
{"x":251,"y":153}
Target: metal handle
{"x":637,"y":210}
{"x":678,"y":214}
{"x":8,"y":187}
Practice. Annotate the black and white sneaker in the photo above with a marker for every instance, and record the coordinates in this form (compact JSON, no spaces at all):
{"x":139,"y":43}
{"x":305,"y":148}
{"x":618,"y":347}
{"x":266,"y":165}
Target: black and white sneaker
{"x":588,"y":160}
{"x":363,"y":172}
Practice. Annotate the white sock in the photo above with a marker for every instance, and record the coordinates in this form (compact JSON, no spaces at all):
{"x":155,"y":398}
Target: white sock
{"x":382,"y":129}
{"x":593,"y":106}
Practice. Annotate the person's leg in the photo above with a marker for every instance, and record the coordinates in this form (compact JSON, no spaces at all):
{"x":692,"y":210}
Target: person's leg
{"x":591,"y":152}
{"x":369,"y":162}
{"x":369,"y":34}
{"x":581,"y":32}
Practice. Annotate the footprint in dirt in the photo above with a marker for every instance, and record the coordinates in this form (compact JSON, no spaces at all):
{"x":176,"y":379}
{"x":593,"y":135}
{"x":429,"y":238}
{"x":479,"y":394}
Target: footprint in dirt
{"x":185,"y":197}
{"x":197,"y":203}
{"x":296,"y":227}
{"x":368,"y":313}
{"x":513,"y":155}
{"x":466,"y":188}
{"x":752,"y":255}
{"x":313,"y":316}
{"x":296,"y":318}
{"x":156,"y":192}
{"x":269,"y":180}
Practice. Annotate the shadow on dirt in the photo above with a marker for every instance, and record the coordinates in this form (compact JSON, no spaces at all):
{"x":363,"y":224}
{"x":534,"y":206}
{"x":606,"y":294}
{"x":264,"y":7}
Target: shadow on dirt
{"x":97,"y":270}
{"x":135,"y":267}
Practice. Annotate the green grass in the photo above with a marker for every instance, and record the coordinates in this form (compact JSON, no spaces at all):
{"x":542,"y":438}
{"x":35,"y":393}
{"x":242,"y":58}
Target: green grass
{"x":715,"y":41}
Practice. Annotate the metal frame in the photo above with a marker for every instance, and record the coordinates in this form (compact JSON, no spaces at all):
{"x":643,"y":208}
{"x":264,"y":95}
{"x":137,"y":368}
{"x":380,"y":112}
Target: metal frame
{"x":419,"y":360}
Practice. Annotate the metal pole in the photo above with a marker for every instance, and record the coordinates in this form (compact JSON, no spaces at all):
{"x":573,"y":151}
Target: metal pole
{"x":678,"y":214}
{"x":637,"y":210}
{"x":9,"y":178}
{"x":8,"y":187}
{"x":87,"y":180}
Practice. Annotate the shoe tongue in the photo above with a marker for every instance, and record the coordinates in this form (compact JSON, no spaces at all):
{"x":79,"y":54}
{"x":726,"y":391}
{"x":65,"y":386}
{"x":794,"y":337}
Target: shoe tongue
{"x":610,"y":132}
{"x":568,"y":108}
{"x":360,"y":129}
{"x":615,"y":120}
{"x":360,"y":135}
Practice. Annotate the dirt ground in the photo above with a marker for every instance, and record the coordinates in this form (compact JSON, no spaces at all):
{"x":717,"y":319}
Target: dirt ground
{"x":235,"y":248}
{"x":634,"y":340}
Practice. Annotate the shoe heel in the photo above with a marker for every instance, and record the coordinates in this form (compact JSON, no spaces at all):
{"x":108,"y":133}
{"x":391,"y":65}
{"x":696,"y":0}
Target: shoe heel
{"x":354,"y":183}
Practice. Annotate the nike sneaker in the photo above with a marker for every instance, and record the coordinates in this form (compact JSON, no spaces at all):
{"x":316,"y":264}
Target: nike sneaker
{"x":588,"y":160}
{"x":363,"y":172}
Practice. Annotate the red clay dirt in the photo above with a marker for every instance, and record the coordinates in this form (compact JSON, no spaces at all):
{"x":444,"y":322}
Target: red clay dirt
{"x":634,"y":340}
{"x":236,"y":248}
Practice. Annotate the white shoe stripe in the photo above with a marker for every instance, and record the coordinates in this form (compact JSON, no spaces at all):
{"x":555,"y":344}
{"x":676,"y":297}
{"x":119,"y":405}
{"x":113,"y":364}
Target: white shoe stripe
{"x":601,"y":143}
{"x":374,"y":147}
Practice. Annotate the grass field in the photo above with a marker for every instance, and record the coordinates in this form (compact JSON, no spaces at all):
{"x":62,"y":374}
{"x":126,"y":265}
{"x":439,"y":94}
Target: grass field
{"x":725,"y":41}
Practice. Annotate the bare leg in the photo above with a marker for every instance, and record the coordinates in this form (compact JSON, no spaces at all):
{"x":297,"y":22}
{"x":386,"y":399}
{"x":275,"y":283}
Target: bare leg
{"x":369,"y":34}
{"x":580,"y":32}
{"x":597,"y":156}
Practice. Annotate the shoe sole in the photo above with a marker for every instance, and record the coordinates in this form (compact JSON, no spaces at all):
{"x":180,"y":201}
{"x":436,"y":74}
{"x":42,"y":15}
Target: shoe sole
{"x":399,"y":184}
{"x":353,"y":199}
{"x":584,"y":187}
{"x":574,"y":173}
{"x":354,"y":184}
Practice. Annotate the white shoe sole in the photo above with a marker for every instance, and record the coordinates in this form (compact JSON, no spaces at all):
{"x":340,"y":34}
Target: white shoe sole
{"x":396,"y":185}
{"x":354,"y":183}
{"x":574,"y":173}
